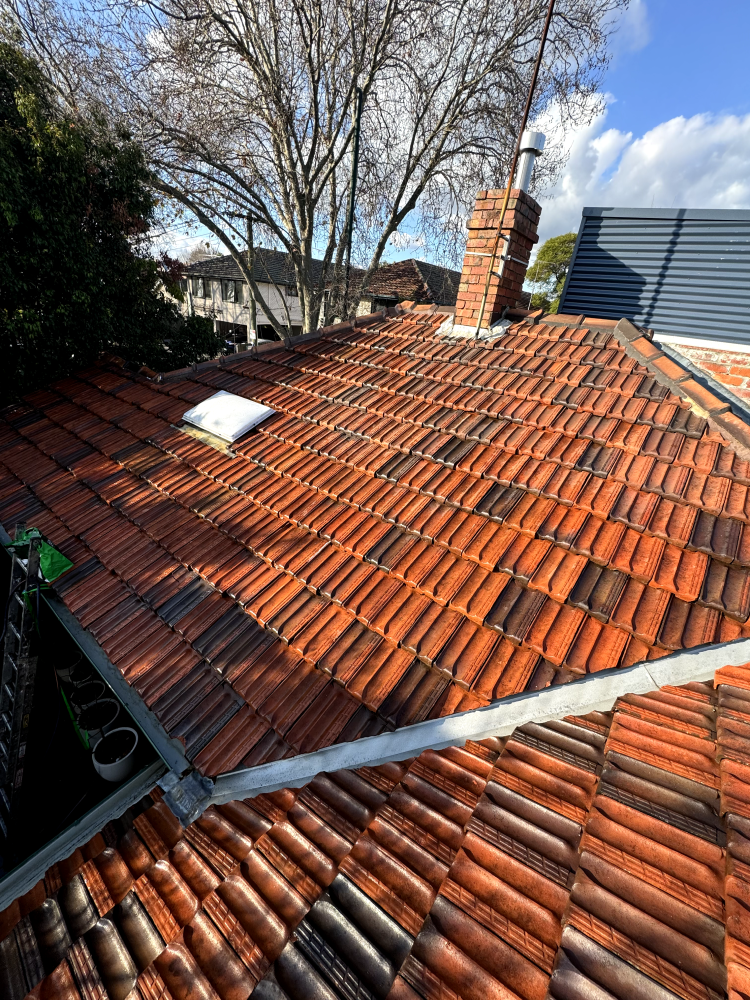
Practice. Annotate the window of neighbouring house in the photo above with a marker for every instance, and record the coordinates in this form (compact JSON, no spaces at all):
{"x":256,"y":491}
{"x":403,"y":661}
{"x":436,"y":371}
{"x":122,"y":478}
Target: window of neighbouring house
{"x":238,"y":291}
{"x":227,"y":290}
{"x":292,"y":291}
{"x":198,"y":287}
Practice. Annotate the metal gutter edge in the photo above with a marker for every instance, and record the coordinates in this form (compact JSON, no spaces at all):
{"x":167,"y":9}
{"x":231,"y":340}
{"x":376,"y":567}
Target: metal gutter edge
{"x":591,"y":693}
{"x":170,"y":751}
{"x":27,"y":874}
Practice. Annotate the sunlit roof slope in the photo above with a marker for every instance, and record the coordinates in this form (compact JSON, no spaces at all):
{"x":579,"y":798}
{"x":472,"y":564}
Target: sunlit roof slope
{"x":425,"y":526}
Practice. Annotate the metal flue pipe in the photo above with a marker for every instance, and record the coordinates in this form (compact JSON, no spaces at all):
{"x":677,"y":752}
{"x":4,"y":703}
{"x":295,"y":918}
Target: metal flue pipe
{"x":532,"y":144}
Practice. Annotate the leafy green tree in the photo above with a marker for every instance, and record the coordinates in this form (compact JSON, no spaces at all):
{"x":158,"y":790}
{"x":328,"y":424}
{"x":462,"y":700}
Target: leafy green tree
{"x":547,"y":273}
{"x":75,"y":276}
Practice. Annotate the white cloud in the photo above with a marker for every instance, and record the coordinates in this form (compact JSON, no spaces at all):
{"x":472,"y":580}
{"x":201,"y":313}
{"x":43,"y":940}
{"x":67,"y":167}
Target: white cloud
{"x":698,"y":162}
{"x":632,"y":31}
{"x":406,"y":241}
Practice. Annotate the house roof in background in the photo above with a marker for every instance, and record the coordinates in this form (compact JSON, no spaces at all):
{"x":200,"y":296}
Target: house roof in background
{"x":442,"y":282}
{"x":598,"y":856}
{"x":417,"y":281}
{"x":270,"y":266}
{"x":412,"y":280}
{"x":425,"y":527}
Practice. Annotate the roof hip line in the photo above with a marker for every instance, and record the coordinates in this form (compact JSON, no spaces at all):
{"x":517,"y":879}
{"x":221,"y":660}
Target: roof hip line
{"x":672,"y":371}
{"x":595,"y":692}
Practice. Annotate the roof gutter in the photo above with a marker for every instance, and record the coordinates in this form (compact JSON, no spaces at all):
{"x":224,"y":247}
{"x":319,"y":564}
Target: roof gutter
{"x":27,"y":874}
{"x":595,"y":692}
{"x":171,"y":751}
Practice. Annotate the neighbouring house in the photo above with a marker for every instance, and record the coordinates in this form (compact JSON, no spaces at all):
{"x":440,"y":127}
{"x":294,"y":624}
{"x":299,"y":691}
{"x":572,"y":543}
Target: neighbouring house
{"x":667,"y":270}
{"x":215,"y":288}
{"x":441,"y":645}
{"x":412,"y":280}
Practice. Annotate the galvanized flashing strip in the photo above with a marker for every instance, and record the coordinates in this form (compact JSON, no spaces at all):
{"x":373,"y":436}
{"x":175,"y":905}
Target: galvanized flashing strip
{"x":171,"y":751}
{"x":595,"y":692}
{"x":28,"y":873}
{"x":679,"y":340}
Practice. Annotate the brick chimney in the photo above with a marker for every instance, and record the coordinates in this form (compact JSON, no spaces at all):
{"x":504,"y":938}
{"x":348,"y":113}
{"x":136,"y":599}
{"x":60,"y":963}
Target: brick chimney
{"x":521,"y":221}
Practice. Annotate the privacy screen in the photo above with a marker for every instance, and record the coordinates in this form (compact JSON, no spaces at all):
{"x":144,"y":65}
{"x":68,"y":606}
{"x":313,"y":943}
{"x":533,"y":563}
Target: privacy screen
{"x":677,"y":271}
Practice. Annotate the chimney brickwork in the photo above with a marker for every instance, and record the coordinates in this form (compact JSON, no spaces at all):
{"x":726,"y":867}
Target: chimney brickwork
{"x":521,"y":222}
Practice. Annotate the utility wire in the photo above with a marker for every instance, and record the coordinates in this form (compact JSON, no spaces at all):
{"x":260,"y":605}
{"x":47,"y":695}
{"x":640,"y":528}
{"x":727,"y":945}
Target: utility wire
{"x":514,"y":162}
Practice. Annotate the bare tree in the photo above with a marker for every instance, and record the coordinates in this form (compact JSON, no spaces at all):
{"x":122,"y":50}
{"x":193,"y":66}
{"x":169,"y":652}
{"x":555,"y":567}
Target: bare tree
{"x":245,"y":108}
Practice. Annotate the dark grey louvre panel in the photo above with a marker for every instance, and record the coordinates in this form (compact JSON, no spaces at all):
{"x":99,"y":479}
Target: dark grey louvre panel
{"x":677,"y":271}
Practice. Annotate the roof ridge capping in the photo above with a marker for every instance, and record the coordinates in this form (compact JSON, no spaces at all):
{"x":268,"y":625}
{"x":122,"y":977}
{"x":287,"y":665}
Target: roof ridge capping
{"x":680,"y":380}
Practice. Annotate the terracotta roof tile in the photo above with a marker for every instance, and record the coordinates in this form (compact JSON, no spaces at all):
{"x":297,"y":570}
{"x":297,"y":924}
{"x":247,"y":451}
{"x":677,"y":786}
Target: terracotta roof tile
{"x":475,"y":506}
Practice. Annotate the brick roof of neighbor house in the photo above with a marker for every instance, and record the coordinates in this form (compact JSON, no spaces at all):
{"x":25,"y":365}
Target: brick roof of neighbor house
{"x":424,"y":527}
{"x":597,"y":857}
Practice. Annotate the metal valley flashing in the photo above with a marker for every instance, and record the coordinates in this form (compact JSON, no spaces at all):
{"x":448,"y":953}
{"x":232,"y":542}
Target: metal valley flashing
{"x":595,"y":692}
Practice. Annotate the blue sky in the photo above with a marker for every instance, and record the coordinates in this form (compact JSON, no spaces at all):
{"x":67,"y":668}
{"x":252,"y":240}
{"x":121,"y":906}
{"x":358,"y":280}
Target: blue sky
{"x":676,"y":129}
{"x":679,"y":57}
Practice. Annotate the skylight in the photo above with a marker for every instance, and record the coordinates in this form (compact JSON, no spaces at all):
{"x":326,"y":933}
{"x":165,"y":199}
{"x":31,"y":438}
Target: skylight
{"x":227,"y":416}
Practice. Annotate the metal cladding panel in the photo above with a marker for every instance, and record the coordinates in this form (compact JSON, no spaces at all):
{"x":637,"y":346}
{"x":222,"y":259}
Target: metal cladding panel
{"x":668,"y":270}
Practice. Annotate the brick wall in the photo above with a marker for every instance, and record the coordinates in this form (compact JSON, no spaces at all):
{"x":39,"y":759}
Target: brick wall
{"x":731,"y":368}
{"x":521,"y":222}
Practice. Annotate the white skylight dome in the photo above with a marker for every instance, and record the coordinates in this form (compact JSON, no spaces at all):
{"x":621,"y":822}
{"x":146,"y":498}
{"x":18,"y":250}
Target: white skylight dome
{"x":227,"y":416}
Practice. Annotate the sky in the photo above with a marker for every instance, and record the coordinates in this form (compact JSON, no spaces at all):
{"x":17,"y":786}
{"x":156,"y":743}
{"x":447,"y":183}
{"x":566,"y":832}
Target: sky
{"x":675,"y":129}
{"x":675,"y":132}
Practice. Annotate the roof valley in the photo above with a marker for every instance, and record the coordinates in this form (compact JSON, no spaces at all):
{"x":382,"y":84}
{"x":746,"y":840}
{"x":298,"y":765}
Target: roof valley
{"x":579,"y":856}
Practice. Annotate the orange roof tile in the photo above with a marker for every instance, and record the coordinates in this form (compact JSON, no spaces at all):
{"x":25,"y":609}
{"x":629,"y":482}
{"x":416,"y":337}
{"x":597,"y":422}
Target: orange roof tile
{"x":424,"y":526}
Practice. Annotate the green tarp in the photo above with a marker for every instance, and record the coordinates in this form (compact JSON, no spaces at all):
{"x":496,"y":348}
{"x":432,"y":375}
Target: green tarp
{"x":51,"y":562}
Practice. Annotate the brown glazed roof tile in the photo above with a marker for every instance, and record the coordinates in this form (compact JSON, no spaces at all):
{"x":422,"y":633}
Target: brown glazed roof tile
{"x":434,"y":524}
{"x":598,"y":856}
